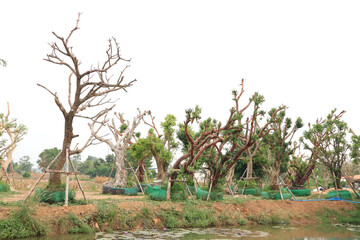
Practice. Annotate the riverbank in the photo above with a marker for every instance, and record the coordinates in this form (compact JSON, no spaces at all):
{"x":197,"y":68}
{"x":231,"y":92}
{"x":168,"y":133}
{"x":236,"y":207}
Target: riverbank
{"x":126,"y":213}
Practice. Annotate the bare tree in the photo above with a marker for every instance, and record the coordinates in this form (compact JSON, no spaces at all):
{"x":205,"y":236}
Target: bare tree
{"x":86,"y":90}
{"x":120,"y":145}
{"x":10,"y":134}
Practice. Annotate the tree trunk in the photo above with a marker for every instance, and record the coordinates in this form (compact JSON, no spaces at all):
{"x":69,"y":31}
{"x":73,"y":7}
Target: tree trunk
{"x":301,"y":179}
{"x":337,"y":179}
{"x":55,"y":178}
{"x":141,"y":171}
{"x":249,"y":172}
{"x":230,"y":175}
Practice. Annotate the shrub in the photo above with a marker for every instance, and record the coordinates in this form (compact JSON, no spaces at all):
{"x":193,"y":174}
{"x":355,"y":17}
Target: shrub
{"x":4,"y":187}
{"x":22,"y":224}
{"x":26,"y":175}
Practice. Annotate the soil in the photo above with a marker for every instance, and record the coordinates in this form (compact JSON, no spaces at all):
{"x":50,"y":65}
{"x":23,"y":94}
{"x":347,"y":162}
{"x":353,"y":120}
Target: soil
{"x":296,"y":212}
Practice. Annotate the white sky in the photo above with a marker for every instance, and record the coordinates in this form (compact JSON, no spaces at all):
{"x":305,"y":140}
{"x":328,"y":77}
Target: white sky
{"x":304,"y":54}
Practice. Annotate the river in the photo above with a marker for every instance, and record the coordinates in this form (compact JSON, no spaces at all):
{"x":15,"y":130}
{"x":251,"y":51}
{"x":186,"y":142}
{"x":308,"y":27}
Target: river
{"x":282,"y":232}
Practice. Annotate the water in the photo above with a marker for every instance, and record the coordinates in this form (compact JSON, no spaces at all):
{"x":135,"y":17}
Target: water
{"x":284,"y":232}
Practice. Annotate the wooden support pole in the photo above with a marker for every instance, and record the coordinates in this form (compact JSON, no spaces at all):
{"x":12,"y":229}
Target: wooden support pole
{"x":42,"y":175}
{"x":146,"y":177}
{"x":336,"y":186}
{"x":211,"y":182}
{"x":282,"y":198}
{"x":168,"y":191}
{"x":78,"y":182}
{"x":188,"y":189}
{"x":134,"y":173}
{"x":287,"y":188}
{"x":67,"y":179}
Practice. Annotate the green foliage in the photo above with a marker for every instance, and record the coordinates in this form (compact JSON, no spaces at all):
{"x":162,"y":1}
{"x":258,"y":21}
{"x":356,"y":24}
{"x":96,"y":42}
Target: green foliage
{"x":3,"y":62}
{"x":94,"y":166}
{"x":46,"y":156}
{"x":23,"y":165}
{"x":72,"y":224}
{"x":22,"y":224}
{"x":26,"y":175}
{"x":190,"y":216}
{"x":263,"y":219}
{"x":4,"y":187}
{"x":327,"y":140}
{"x":355,"y":149}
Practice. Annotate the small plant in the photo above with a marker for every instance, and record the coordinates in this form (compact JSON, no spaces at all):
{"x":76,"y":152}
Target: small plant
{"x":22,"y":224}
{"x":72,"y":224}
{"x":4,"y":187}
{"x":241,"y":221}
{"x":26,"y":175}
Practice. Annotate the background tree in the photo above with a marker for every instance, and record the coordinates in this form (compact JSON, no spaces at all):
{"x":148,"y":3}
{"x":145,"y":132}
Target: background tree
{"x":140,"y":157}
{"x":278,"y":146}
{"x":46,"y":156}
{"x":122,"y":142}
{"x":23,"y":165}
{"x":332,"y":150}
{"x":161,"y":146}
{"x":11,"y":133}
{"x":87,"y":89}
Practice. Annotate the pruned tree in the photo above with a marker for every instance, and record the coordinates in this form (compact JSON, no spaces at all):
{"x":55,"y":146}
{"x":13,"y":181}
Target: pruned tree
{"x":160,"y":146}
{"x":88,"y":89}
{"x":11,"y":133}
{"x":122,"y":140}
{"x":223,"y":140}
{"x":327,"y":141}
{"x":278,"y":146}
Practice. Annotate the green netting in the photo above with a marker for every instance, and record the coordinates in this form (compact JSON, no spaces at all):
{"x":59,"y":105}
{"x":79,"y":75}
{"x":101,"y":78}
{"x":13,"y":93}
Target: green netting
{"x":301,"y":192}
{"x":178,"y":195}
{"x":285,"y":196}
{"x":265,"y":195}
{"x":4,"y":187}
{"x":277,"y":196}
{"x":53,"y":197}
{"x":251,"y":191}
{"x":192,"y":190}
{"x":158,"y":194}
{"x":143,"y":185}
{"x":131,"y":191}
{"x":201,"y":194}
{"x":342,"y":194}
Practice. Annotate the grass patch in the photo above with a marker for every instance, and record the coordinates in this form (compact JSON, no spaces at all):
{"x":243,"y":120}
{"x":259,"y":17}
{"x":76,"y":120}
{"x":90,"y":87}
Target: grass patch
{"x":72,"y":224}
{"x":22,"y":224}
{"x":262,"y":219}
{"x":348,"y":216}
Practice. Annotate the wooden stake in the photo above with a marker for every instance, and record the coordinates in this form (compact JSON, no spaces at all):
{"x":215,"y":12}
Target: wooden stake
{"x":42,"y":175}
{"x":77,"y":179}
{"x":336,"y":186}
{"x":67,"y":179}
{"x":207,"y":199}
{"x":287,"y":188}
{"x":134,"y":174}
{"x":232,"y":194}
{"x":282,"y":198}
{"x":187,"y":187}
{"x":168,"y":189}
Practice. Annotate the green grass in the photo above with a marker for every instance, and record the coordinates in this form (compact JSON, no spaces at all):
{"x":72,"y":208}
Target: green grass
{"x":21,"y":223}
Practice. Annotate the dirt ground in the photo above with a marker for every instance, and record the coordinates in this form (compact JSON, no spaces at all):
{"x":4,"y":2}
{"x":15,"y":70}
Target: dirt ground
{"x":296,"y":212}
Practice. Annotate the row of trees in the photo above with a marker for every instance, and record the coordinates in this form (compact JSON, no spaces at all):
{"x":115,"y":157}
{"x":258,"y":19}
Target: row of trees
{"x":251,"y":135}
